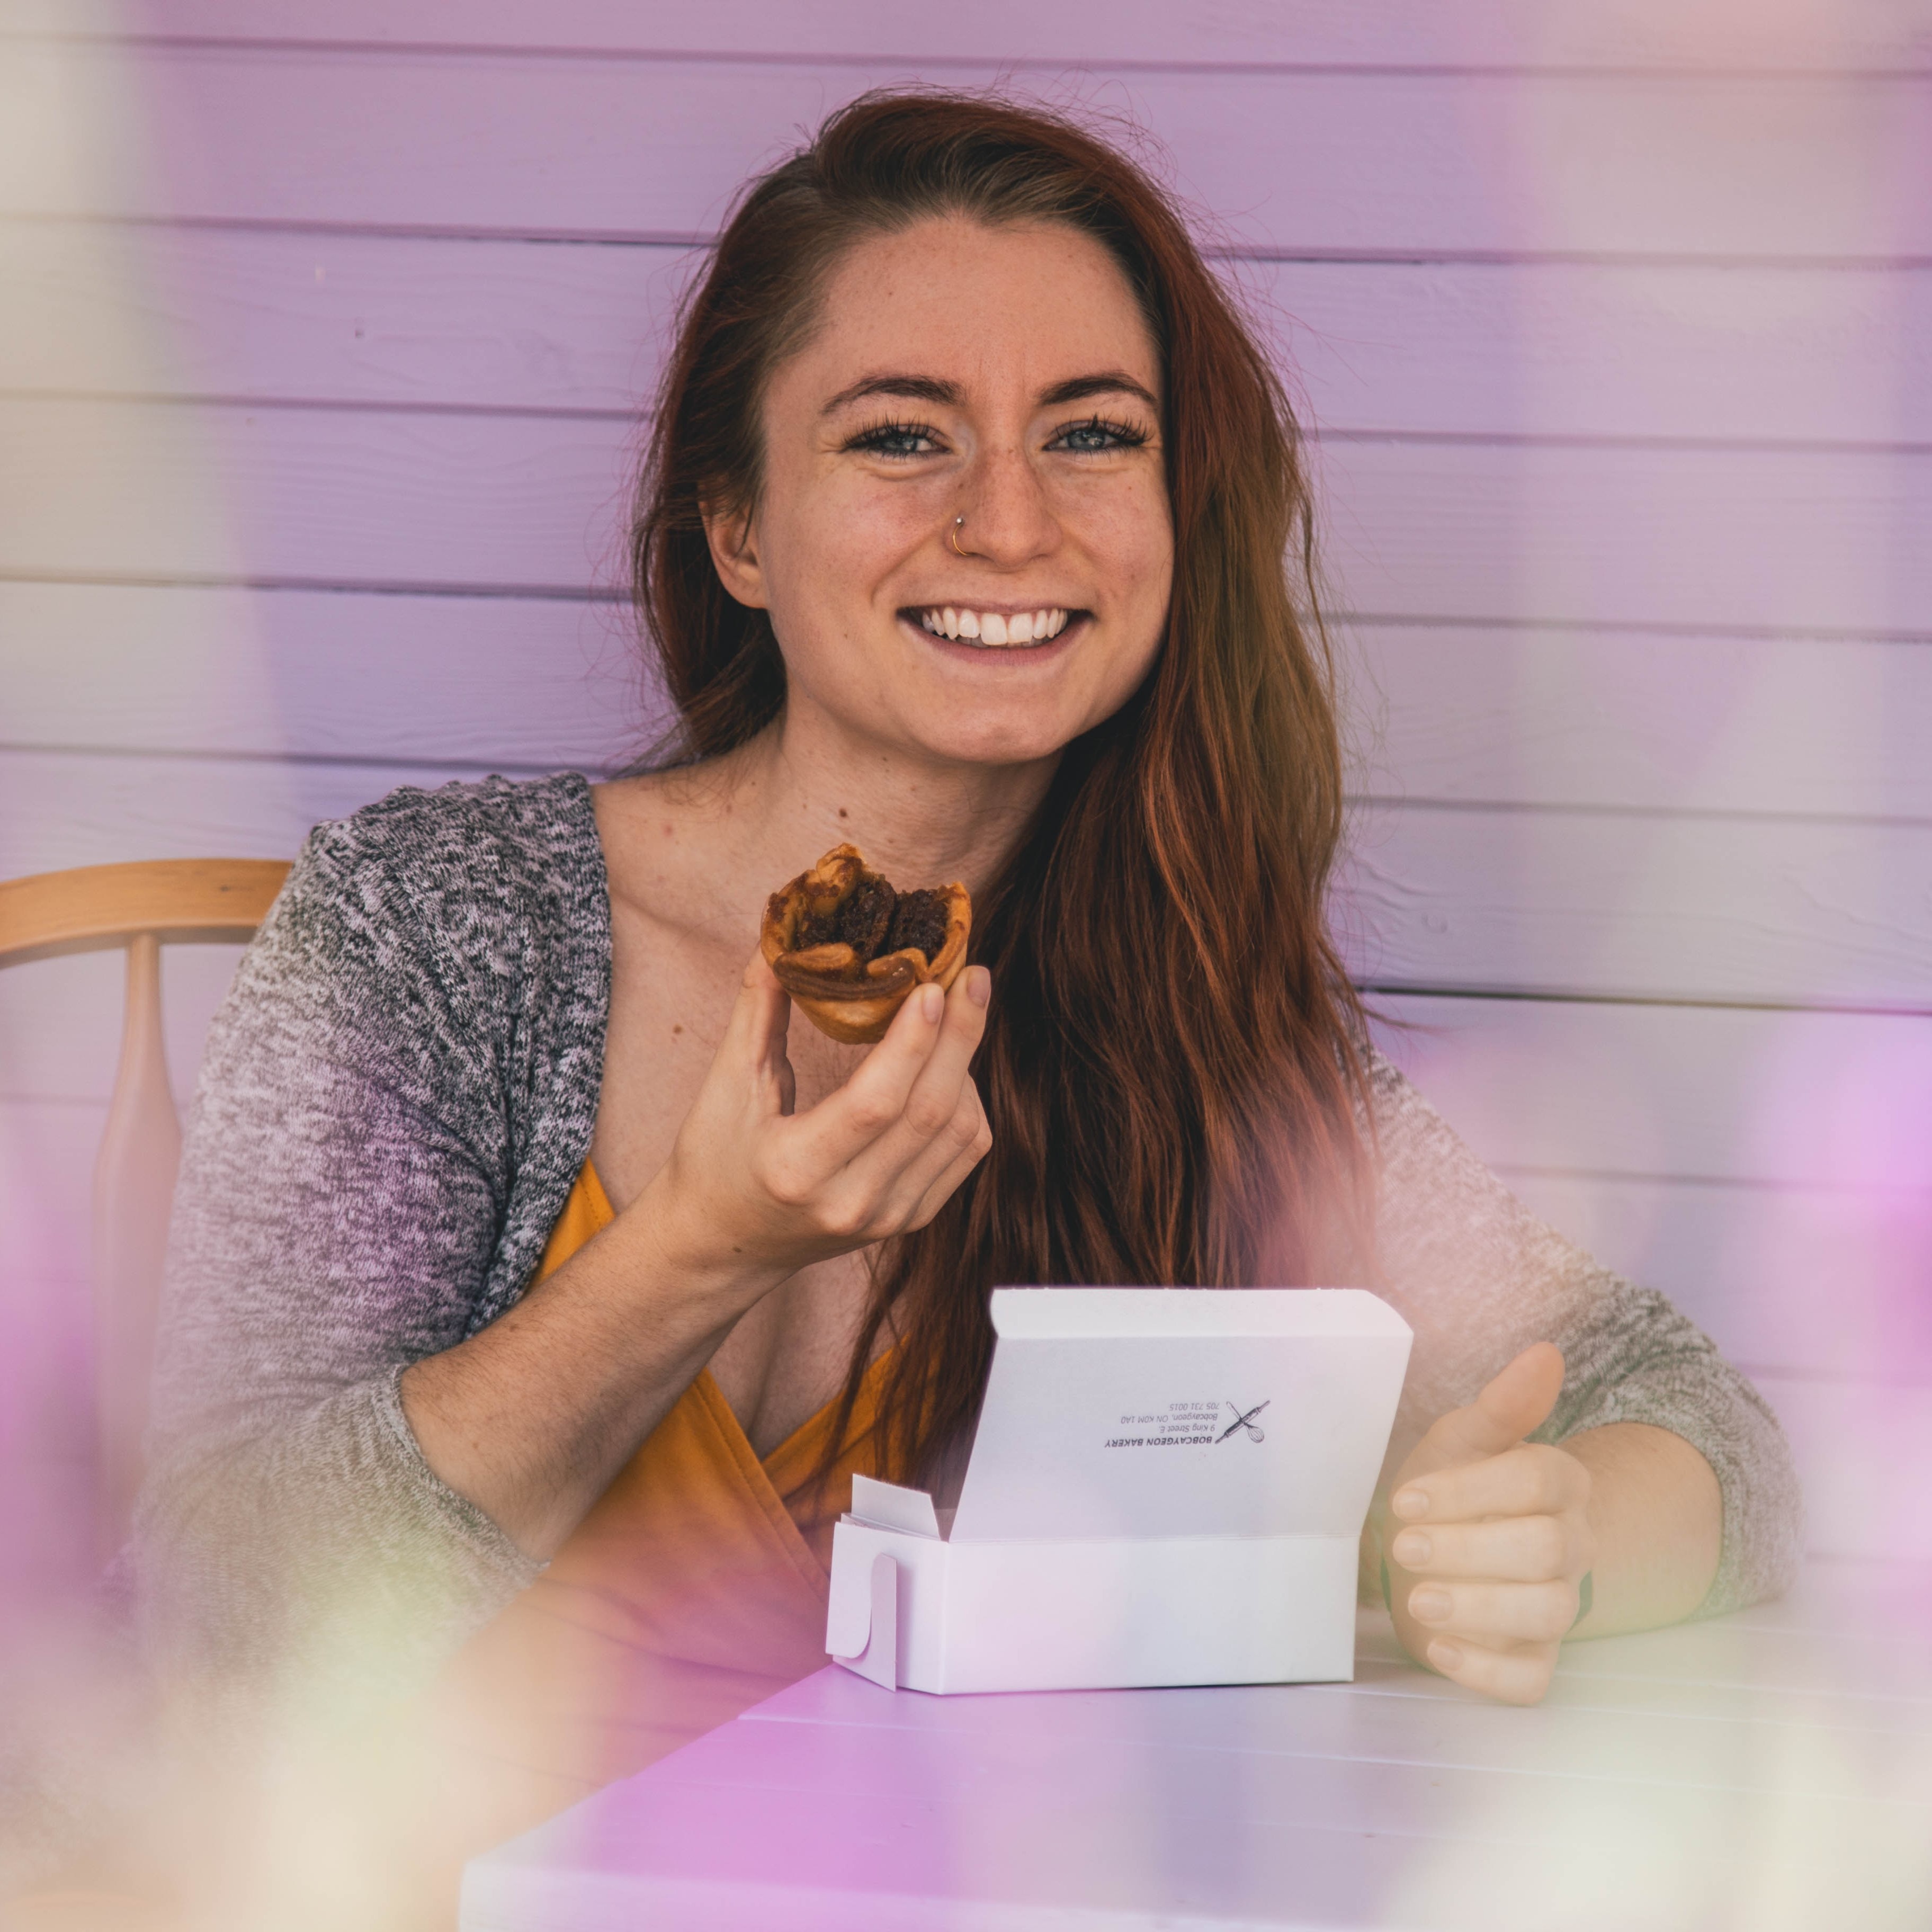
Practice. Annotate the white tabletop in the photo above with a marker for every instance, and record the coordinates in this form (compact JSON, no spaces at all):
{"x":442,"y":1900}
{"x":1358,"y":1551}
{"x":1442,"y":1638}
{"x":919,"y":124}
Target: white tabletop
{"x":1768,"y":1770}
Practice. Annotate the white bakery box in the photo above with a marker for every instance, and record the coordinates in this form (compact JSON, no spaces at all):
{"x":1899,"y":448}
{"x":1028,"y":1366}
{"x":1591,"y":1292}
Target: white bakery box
{"x":1167,"y":1486}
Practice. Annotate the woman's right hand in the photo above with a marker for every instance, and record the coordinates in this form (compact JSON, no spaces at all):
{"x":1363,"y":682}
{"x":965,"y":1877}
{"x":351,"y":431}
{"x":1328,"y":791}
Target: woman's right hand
{"x":531,"y":1416}
{"x":752,"y":1187}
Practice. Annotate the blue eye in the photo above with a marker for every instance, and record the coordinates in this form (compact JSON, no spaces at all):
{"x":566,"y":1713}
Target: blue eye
{"x":1097,"y":435}
{"x":896,"y":439}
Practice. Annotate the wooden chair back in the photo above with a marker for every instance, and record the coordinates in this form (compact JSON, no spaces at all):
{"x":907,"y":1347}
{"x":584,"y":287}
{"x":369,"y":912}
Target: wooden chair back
{"x":142,"y":907}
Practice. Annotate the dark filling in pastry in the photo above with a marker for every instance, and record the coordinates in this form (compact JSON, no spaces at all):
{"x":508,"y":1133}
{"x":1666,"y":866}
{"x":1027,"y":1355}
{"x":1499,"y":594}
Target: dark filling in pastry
{"x":873,"y":919}
{"x":919,"y":920}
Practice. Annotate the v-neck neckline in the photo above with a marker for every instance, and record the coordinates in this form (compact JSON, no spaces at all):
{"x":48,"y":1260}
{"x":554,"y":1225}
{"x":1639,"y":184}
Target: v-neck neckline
{"x":758,"y":1473}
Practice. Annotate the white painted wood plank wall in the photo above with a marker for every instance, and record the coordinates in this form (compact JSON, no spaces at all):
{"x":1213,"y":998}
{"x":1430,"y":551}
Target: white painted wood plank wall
{"x":321,"y":360}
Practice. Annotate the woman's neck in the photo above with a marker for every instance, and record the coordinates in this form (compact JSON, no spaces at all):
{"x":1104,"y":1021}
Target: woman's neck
{"x":804,"y":785}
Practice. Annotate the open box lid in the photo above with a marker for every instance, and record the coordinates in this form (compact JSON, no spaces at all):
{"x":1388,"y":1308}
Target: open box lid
{"x":1152,"y":1412}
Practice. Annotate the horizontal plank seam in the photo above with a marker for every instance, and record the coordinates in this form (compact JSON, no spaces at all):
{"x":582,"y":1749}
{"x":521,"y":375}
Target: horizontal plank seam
{"x":1427,"y":1688}
{"x":1776,"y":634}
{"x":221,"y":755}
{"x":1180,"y":1748}
{"x":1418,"y":255}
{"x":1461,"y":438}
{"x":336,"y":405}
{"x":1507,"y":1169}
{"x":1370,"y":619}
{"x":333,"y":405}
{"x":679,"y":239}
{"x":1424,"y":1688}
{"x":1315,"y":432}
{"x":1692,"y":814}
{"x":538,"y":593}
{"x":345,"y":760}
{"x":1628,"y":1780}
{"x":1422,"y":256}
{"x":1734,"y":1183}
{"x":1421,"y":989}
{"x":1829,"y":1379}
{"x":1748,"y":1684}
{"x":81,"y":1100}
{"x":514,"y":51}
{"x":1776,"y":1373}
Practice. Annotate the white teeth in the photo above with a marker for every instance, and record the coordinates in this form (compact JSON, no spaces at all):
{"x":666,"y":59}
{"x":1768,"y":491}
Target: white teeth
{"x":990,"y":627}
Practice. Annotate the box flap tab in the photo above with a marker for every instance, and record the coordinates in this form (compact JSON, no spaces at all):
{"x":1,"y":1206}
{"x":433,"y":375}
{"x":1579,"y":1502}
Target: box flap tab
{"x":887,"y":1506}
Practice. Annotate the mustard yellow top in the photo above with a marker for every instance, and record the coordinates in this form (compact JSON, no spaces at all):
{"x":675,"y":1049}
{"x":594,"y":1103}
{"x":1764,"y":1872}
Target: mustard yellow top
{"x":692,"y":1589}
{"x":700,"y":1452}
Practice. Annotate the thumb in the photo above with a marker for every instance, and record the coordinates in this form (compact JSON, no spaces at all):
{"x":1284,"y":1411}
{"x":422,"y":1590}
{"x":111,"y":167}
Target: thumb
{"x":755,"y":1034}
{"x":1518,"y":1400}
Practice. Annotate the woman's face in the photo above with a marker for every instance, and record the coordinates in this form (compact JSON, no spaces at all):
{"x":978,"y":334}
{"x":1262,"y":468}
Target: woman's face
{"x":1001,"y":374}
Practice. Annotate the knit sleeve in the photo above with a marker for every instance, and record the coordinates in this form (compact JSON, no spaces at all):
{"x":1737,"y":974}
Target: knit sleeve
{"x":344,"y":1192}
{"x":1479,"y":1278}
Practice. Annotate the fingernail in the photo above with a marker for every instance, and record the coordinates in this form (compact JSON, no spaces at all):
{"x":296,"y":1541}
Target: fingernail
{"x":979,"y":984}
{"x":1445,"y":1657}
{"x":1412,"y":1549}
{"x":1411,"y":1503}
{"x":932,"y":1004}
{"x":1429,"y":1607}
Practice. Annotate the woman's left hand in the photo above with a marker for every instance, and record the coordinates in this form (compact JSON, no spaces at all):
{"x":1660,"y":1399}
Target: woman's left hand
{"x":1489,"y":1538}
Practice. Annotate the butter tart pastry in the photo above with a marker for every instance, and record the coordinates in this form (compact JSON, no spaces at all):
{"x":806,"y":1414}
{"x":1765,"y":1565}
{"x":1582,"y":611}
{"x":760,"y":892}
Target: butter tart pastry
{"x":849,"y":948}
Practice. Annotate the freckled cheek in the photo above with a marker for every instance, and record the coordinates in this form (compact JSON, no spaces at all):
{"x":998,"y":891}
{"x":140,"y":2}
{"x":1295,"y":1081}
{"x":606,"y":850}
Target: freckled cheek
{"x":1140,"y":573}
{"x":837,"y":558}
{"x":861,"y":540}
{"x":1131,"y":537}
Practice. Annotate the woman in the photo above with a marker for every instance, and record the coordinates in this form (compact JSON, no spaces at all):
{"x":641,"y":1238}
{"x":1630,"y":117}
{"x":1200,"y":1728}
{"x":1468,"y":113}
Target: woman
{"x":954,"y":371}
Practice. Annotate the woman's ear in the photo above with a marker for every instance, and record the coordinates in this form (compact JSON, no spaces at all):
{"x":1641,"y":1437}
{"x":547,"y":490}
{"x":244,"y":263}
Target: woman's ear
{"x":733,"y":536}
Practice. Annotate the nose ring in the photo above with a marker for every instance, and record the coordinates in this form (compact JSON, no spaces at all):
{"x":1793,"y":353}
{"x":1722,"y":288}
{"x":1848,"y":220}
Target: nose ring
{"x":958,"y":524}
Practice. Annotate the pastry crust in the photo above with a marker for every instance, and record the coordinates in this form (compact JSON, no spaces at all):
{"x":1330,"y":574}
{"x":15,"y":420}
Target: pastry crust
{"x":843,"y":992}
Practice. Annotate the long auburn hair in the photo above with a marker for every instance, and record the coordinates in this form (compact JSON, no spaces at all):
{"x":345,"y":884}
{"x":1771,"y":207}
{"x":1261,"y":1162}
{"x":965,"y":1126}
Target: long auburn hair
{"x":1171,"y":1066}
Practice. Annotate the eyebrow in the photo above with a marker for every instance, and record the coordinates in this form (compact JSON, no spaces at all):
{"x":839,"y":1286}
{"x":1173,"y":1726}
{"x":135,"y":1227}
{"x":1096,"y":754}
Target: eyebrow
{"x":1108,"y":382}
{"x":914,"y":389}
{"x":949,"y":395}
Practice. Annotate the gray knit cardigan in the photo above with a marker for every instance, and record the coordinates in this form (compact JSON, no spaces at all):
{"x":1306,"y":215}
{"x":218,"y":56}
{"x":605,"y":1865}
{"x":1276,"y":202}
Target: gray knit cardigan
{"x":396,"y":1096}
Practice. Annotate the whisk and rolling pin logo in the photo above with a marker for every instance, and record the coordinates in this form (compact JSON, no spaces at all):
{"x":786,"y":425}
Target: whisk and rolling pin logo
{"x":1192,"y":1425}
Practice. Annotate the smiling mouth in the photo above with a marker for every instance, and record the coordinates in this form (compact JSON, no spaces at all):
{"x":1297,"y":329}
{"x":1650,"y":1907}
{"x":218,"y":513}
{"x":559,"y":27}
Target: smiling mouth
{"x":993,"y":629}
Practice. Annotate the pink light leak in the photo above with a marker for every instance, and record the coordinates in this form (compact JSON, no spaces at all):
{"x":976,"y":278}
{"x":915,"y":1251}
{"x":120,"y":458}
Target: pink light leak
{"x":1853,"y":1246}
{"x":1580,"y":645}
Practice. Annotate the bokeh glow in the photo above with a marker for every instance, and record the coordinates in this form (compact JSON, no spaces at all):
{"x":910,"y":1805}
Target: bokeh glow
{"x":1754,"y":1134}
